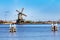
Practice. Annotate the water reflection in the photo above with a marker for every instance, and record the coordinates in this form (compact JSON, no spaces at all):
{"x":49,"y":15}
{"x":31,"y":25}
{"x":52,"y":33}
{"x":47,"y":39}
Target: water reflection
{"x":55,"y":35}
{"x":13,"y":36}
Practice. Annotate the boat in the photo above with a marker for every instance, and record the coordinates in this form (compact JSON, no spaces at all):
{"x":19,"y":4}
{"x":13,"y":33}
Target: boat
{"x":12,"y":28}
{"x":54,"y":27}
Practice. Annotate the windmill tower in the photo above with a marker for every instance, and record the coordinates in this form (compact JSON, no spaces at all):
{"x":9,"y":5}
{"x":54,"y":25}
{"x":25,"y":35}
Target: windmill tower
{"x":20,"y":18}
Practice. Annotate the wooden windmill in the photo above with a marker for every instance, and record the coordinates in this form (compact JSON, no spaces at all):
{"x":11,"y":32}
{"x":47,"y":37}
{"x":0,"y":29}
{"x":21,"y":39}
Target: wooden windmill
{"x":20,"y":14}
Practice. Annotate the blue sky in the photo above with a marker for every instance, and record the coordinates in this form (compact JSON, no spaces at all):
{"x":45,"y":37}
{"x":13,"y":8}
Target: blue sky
{"x":34,"y":9}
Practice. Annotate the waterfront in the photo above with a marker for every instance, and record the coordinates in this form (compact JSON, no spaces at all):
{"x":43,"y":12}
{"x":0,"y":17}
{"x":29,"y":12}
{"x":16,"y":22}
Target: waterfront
{"x":29,"y":32}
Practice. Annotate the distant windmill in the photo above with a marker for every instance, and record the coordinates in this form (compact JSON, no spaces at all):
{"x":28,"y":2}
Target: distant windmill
{"x":20,"y":14}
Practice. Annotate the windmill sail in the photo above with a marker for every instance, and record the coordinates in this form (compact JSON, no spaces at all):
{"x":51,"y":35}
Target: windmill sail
{"x":17,"y":11}
{"x":22,"y":10}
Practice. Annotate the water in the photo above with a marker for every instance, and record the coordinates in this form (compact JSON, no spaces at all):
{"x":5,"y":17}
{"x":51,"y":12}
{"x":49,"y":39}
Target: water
{"x":29,"y":32}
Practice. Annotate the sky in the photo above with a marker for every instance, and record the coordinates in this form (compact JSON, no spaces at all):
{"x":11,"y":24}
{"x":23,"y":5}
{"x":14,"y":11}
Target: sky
{"x":36,"y":10}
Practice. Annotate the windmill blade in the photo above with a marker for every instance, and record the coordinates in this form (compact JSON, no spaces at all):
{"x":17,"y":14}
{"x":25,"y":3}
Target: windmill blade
{"x":22,"y":10}
{"x":17,"y":11}
{"x":24,"y":14}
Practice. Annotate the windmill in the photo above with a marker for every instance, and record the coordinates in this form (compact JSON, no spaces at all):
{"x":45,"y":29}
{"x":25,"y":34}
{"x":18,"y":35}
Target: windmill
{"x":20,"y":14}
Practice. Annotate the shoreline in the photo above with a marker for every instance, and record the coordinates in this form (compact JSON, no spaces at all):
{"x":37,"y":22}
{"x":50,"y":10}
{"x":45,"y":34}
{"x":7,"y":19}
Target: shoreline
{"x":24,"y":24}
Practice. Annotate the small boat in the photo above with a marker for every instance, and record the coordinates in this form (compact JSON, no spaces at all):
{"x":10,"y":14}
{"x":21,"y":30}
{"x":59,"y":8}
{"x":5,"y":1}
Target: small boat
{"x":12,"y":28}
{"x":54,"y":27}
